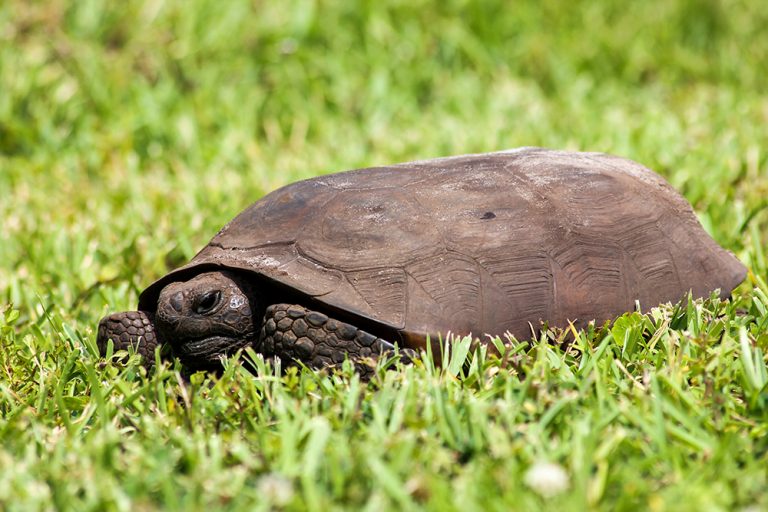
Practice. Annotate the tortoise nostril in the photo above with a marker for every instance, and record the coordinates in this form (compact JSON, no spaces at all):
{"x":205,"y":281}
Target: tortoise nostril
{"x":176,"y":301}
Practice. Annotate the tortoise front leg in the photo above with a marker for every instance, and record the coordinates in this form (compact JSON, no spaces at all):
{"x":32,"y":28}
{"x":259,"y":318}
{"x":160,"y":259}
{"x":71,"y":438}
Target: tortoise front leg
{"x":295,"y":333}
{"x":129,"y":328}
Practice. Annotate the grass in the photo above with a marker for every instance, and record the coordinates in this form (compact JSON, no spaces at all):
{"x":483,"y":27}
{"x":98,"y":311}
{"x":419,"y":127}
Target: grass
{"x":131,"y":131}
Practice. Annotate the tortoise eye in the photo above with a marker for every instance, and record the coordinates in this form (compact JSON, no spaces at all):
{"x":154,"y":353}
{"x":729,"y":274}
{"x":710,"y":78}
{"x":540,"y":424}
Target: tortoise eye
{"x":207,"y":302}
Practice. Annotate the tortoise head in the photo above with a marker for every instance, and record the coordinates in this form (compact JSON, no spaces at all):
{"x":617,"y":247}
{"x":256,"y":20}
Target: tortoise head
{"x":208,"y":317}
{"x":204,"y":319}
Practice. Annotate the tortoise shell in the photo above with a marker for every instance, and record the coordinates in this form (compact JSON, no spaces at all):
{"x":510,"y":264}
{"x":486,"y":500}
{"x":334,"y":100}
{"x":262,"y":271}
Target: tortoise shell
{"x":482,"y":244}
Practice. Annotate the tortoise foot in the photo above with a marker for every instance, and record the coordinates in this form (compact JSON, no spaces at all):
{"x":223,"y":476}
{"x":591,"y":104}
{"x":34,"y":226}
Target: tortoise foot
{"x":295,"y":333}
{"x":129,"y":328}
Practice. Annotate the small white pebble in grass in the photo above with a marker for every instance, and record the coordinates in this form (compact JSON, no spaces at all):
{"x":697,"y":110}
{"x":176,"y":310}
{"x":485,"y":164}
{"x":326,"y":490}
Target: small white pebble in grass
{"x":546,"y":478}
{"x":276,"y":489}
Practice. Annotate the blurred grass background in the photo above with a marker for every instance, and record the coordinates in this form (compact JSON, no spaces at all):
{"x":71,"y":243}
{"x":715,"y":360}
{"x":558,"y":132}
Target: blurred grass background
{"x":131,"y":131}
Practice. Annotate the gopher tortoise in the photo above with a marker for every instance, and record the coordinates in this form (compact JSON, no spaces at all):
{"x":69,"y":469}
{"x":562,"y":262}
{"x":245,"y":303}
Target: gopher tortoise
{"x":351,"y":265}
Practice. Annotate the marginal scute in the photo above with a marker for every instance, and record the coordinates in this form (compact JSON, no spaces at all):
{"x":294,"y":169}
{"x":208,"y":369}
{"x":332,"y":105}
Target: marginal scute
{"x":452,"y":280}
{"x":383,"y":290}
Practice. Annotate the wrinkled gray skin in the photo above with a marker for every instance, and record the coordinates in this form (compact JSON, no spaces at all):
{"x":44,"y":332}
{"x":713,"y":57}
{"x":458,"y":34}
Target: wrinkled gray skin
{"x":215,"y":314}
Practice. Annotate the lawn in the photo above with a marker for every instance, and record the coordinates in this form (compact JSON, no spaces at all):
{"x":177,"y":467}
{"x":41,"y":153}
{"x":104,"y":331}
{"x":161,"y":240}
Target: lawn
{"x":131,"y":131}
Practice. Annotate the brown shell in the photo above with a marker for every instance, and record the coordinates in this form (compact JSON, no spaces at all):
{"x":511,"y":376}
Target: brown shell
{"x":477,"y":244}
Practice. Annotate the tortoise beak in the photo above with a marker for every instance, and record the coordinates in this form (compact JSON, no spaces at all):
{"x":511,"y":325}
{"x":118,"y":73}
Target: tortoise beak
{"x":208,"y":353}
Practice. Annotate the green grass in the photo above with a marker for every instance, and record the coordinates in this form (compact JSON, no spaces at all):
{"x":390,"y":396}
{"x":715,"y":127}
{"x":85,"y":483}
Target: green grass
{"x":131,"y":131}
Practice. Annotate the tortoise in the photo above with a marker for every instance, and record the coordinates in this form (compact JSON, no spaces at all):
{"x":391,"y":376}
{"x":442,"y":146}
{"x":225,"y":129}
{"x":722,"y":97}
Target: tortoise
{"x":350,"y":265}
